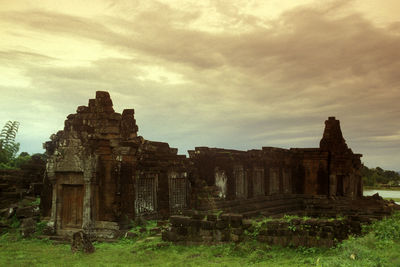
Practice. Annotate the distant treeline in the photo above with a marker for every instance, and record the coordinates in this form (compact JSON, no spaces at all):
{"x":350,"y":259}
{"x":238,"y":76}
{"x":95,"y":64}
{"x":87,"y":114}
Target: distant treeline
{"x":377,"y":176}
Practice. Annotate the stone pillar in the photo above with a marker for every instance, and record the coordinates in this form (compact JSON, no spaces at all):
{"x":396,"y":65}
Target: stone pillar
{"x":87,"y":220}
{"x":349,"y":185}
{"x":89,"y":178}
{"x":53,"y":216}
{"x":332,"y":185}
{"x":87,"y":207}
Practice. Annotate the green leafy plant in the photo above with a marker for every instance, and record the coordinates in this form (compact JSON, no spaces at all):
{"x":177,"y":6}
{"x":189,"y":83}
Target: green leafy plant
{"x":36,"y":202}
{"x":307,"y":250}
{"x":387,"y":229}
{"x":8,"y":146}
{"x":15,"y":223}
{"x":40,"y":227}
{"x":256,"y":226}
{"x":143,"y":228}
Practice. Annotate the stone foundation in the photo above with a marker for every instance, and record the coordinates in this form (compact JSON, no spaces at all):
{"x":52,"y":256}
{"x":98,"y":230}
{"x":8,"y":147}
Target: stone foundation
{"x":332,"y":221}
{"x":213,"y":229}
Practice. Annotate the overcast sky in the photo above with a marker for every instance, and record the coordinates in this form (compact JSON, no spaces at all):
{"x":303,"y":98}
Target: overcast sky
{"x":232,"y":74}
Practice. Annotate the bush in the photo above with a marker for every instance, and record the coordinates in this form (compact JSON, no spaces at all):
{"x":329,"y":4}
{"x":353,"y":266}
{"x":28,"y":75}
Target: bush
{"x":21,"y":160}
{"x":388,"y":228}
{"x":5,"y":166}
{"x":15,"y":223}
{"x":40,"y":226}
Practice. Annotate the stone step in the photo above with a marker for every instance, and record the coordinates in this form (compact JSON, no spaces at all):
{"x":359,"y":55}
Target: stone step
{"x":4,"y":186}
{"x":225,"y":204}
{"x":283,"y":209}
{"x":56,"y":239}
{"x":282,"y":214}
{"x":269,"y":206}
{"x":9,"y":190}
{"x":266,"y":205}
{"x":105,"y":240}
{"x":11,"y":195}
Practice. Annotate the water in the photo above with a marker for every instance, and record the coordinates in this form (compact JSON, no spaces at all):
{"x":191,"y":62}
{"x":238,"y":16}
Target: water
{"x":383,"y":193}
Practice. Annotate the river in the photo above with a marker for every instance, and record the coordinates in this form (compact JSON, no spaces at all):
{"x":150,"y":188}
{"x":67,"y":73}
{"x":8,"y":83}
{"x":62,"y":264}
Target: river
{"x":383,"y":193}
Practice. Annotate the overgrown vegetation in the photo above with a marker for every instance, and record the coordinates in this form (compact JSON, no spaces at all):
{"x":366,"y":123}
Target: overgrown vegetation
{"x":143,"y":228}
{"x":378,"y":176}
{"x":380,"y":246}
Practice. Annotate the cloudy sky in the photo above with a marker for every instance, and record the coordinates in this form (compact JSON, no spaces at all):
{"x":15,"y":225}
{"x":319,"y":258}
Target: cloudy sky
{"x":233,"y":74}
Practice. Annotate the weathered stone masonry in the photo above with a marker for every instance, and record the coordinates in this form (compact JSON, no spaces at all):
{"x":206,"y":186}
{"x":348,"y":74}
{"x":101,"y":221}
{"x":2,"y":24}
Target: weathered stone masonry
{"x":103,"y":174}
{"x":331,"y":170}
{"x":212,"y":229}
{"x":327,"y":222}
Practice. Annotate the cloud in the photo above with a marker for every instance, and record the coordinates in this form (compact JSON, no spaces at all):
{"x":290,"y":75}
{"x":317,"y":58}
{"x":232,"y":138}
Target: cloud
{"x":270,"y":82}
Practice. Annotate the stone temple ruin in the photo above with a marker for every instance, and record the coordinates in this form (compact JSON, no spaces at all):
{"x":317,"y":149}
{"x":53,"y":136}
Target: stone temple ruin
{"x":103,"y":175}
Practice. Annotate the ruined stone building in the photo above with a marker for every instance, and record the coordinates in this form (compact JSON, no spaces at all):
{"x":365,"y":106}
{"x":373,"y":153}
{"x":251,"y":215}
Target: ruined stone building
{"x":332,"y":169}
{"x":103,"y":174}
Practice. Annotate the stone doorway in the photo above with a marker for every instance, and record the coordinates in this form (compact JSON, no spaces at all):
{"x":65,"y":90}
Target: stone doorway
{"x":287,"y":181}
{"x":273,"y":181}
{"x":339,"y":190}
{"x":177,"y":192}
{"x":72,"y":206}
{"x":221,"y":182}
{"x":240,"y":182}
{"x":258,"y":182}
{"x":146,"y":196}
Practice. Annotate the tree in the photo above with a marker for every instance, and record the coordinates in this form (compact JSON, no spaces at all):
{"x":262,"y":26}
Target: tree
{"x":8,"y":146}
{"x":378,"y":175}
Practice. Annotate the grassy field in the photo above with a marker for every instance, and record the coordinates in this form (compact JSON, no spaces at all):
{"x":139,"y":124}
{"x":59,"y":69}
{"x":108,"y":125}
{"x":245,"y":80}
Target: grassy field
{"x":380,"y":247}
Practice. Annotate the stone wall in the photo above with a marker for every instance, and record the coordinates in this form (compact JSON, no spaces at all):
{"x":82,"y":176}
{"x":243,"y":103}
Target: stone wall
{"x":205,"y":228}
{"x":245,"y":174}
{"x":319,"y":221}
{"x":19,"y":190}
{"x":12,"y":187}
{"x":225,"y":174}
{"x":103,"y":175}
{"x":16,"y":184}
{"x":306,"y":232}
{"x":213,"y":229}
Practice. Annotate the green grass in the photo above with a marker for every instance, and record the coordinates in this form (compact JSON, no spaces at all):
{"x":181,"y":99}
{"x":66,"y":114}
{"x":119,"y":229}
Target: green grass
{"x":380,"y":247}
{"x":152,"y":252}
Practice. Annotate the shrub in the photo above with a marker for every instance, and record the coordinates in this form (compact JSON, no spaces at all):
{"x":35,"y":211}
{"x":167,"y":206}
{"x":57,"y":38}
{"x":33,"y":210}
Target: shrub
{"x":388,"y":228}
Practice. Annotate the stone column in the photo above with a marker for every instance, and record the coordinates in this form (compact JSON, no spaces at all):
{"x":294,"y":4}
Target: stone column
{"x":53,"y":215}
{"x":53,"y":180}
{"x":332,"y":185}
{"x":89,"y":178}
{"x":87,"y":207}
{"x":87,"y":223}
